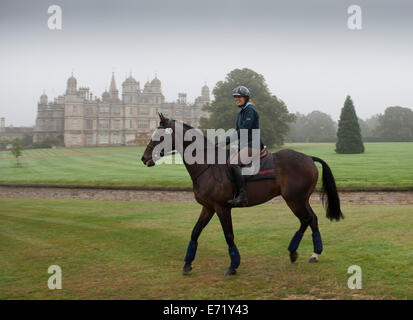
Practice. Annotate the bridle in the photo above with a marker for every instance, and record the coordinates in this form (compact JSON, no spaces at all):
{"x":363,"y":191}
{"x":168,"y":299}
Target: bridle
{"x":151,"y":147}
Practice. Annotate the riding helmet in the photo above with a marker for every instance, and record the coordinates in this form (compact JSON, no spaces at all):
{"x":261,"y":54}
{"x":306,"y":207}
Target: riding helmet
{"x":241,"y":91}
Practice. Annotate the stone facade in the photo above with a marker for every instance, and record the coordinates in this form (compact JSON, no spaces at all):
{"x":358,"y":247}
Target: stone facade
{"x":81,"y":120}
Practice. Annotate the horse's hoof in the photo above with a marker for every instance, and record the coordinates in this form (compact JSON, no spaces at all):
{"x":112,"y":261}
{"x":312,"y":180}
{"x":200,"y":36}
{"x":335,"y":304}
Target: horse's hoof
{"x":293,"y":256}
{"x":187,"y":268}
{"x":313,"y":258}
{"x":230,"y":272}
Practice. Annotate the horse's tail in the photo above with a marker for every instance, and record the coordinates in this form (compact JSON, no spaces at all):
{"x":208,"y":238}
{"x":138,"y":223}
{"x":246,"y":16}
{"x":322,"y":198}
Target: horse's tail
{"x":329,"y":188}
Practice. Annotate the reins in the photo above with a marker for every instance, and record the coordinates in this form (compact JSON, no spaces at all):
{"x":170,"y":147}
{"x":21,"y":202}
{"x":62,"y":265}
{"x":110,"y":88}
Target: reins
{"x":174,"y":152}
{"x":202,"y":171}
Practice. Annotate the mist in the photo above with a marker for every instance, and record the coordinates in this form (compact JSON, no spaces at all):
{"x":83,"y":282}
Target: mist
{"x":309,"y":57}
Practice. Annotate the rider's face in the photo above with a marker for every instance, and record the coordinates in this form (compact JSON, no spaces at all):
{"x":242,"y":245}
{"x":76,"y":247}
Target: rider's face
{"x":239,"y":101}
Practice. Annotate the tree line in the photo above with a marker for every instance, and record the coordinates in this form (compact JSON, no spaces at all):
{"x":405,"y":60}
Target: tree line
{"x":395,"y":124}
{"x":278,"y":125}
{"x":26,"y":142}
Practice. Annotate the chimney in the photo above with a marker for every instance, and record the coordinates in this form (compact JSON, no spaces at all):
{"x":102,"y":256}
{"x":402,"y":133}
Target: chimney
{"x":2,"y":124}
{"x":182,"y":98}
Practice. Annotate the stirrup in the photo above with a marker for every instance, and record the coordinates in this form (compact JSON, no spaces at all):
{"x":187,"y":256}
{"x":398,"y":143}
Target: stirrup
{"x":237,"y":202}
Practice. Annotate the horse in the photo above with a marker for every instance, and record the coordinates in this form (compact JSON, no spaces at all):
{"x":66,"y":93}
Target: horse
{"x":296,"y":180}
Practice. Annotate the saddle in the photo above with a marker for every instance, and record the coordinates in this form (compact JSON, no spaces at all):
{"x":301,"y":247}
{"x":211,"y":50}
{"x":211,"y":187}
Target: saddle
{"x":266,"y":171}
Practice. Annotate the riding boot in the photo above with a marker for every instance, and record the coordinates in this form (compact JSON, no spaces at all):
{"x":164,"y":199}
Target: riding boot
{"x":240,"y":200}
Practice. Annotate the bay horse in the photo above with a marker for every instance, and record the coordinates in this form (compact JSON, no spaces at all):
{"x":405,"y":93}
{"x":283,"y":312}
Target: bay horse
{"x":296,"y":180}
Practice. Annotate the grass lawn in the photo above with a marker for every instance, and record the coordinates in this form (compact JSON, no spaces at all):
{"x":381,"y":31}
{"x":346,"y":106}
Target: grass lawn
{"x":34,"y":153}
{"x":122,"y":250}
{"x":383,"y":165}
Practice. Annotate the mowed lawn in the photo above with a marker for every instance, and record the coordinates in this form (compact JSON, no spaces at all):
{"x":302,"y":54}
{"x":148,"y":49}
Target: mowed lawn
{"x":123,"y":250}
{"x":382,"y":165}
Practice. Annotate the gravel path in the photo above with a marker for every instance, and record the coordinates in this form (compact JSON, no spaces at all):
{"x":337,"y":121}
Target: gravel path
{"x":376,"y":197}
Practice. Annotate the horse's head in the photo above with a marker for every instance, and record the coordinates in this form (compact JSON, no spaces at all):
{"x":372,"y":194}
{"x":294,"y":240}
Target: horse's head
{"x":166,"y":127}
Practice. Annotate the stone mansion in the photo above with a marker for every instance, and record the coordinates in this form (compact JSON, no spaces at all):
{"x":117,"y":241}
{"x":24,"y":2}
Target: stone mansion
{"x":81,"y":120}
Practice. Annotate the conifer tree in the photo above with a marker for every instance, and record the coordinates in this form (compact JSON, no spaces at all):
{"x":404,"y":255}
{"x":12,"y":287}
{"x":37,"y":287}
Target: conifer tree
{"x":349,"y":134}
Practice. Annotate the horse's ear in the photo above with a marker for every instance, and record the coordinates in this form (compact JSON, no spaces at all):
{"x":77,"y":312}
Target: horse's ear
{"x":162,"y":118}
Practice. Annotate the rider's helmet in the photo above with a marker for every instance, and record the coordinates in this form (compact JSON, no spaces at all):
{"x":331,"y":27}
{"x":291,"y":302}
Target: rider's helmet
{"x":241,"y":91}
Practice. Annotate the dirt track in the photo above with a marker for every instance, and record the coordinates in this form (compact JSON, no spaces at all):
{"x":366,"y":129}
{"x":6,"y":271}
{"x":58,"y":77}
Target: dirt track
{"x":69,"y":152}
{"x":376,"y":197}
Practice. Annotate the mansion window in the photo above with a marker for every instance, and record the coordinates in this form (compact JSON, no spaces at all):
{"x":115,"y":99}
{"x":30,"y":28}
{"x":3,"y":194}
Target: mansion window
{"x":128,"y":124}
{"x":178,"y":112}
{"x":116,"y":110}
{"x":104,"y":109}
{"x":74,"y":124}
{"x":59,"y":124}
{"x":89,"y":124}
{"x":75,"y":139}
{"x":89,"y":111}
{"x":103,"y":138}
{"x":89,"y":139}
{"x":116,"y":138}
{"x":143,"y":111}
{"x":143,"y":124}
{"x":103,"y":124}
{"x":130,"y":99}
{"x":116,"y":124}
{"x":130,"y":111}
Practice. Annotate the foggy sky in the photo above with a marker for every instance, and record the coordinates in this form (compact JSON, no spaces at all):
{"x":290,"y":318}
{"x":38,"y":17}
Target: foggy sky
{"x":308,"y":56}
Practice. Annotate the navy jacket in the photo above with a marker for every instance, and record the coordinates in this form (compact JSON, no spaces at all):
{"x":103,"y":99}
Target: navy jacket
{"x":247,"y":119}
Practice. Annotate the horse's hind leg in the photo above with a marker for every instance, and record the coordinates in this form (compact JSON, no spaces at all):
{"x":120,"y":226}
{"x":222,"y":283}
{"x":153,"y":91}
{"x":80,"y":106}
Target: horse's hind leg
{"x":317,"y":242}
{"x":301,"y":212}
{"x":204,"y":218}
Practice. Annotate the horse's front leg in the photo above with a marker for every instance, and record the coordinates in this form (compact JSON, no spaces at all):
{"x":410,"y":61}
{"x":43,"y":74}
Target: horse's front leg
{"x":204,"y":218}
{"x":224,"y":215}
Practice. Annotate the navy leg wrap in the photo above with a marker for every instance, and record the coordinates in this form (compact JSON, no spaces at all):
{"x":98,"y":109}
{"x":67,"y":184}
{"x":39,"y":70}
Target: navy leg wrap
{"x":191,"y":251}
{"x":295,"y":241}
{"x":318,"y":244}
{"x":235,"y":257}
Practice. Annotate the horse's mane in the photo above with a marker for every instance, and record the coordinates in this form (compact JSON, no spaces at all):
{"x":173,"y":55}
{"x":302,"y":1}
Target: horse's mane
{"x":208,"y":144}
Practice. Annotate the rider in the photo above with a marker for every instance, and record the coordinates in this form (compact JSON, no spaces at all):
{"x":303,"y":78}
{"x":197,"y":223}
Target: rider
{"x":247,"y":119}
